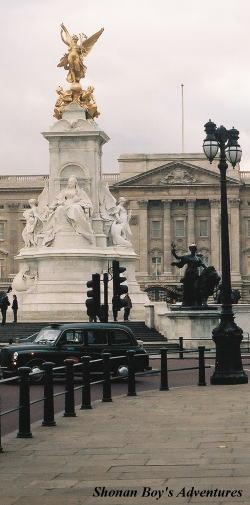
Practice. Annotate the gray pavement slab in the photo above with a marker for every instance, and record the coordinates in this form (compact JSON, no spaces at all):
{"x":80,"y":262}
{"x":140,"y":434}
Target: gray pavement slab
{"x":191,"y":439}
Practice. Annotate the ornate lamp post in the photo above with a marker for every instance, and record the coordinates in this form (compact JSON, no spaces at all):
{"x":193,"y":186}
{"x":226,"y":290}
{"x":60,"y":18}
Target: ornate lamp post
{"x":227,"y":335}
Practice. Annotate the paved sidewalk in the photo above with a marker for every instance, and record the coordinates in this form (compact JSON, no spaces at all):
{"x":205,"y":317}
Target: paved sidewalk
{"x":187,"y":441}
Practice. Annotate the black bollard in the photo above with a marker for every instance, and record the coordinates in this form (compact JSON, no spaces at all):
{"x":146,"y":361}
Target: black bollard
{"x":86,"y":393}
{"x":24,"y":403}
{"x":131,"y":374}
{"x":69,"y":389}
{"x":106,"y":395}
{"x":181,"y":347}
{"x":48,"y":411}
{"x":1,"y":449}
{"x":164,"y":370}
{"x":202,"y":375}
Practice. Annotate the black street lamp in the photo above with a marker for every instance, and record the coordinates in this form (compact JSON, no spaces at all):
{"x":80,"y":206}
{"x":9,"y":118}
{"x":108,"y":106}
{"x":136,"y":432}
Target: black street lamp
{"x":227,"y":335}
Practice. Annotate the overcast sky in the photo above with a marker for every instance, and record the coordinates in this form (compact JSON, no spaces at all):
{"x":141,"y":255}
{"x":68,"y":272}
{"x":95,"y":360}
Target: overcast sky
{"x":137,"y":66}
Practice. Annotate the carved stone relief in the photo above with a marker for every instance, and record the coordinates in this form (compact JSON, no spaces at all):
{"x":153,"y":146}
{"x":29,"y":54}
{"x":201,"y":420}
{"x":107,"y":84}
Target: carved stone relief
{"x":178,"y":176}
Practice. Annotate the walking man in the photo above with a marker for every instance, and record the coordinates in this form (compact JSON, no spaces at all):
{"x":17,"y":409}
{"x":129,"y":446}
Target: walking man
{"x":14,"y":308}
{"x":127,"y":307}
{"x":4,"y":306}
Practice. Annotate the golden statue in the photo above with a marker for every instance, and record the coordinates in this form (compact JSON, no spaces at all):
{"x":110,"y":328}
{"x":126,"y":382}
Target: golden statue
{"x":79,"y":47}
{"x":73,"y":60}
{"x":78,"y":95}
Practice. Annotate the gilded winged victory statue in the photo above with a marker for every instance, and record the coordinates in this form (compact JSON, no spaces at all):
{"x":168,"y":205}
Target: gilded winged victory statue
{"x":78,"y":48}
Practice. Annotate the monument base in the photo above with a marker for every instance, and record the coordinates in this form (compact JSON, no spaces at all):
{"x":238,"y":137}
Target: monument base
{"x":52,"y":283}
{"x":195,"y":326}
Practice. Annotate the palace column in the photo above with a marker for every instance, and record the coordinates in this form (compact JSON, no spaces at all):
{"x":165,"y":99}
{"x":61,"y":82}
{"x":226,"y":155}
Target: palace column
{"x":235,"y":238}
{"x":143,"y":234}
{"x":215,"y":233}
{"x":190,"y":222}
{"x":167,"y":237}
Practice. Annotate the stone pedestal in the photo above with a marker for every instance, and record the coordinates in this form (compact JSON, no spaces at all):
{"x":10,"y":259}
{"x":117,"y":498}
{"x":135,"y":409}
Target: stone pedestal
{"x":193,"y":325}
{"x":75,"y":146}
{"x":52,"y":282}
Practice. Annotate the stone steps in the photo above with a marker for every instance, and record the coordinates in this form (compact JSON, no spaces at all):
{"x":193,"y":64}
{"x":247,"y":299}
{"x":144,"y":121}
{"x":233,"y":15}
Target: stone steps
{"x":22,"y":330}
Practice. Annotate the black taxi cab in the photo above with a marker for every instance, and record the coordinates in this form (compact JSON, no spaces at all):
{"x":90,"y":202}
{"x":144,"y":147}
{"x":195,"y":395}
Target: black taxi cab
{"x":58,"y":342}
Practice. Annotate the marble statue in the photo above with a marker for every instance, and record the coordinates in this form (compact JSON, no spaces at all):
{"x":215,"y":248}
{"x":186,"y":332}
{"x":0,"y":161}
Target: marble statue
{"x":75,"y":207}
{"x":24,"y":279}
{"x":33,"y":224}
{"x":43,"y":220}
{"x":120,"y":229}
{"x":78,"y":48}
{"x":107,"y":202}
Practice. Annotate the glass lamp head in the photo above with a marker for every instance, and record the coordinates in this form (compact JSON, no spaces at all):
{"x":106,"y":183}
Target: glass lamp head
{"x":210,"y":144}
{"x":233,"y":149}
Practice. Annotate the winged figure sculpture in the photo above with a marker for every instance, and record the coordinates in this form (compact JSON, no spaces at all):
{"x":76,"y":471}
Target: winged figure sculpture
{"x":78,"y":49}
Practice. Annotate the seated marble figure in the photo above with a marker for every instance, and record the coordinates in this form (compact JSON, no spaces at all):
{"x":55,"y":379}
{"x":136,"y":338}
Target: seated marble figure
{"x":71,"y":210}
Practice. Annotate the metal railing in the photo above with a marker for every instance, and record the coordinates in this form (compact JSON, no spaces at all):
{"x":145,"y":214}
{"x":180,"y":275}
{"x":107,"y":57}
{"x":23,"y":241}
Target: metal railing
{"x":70,"y":367}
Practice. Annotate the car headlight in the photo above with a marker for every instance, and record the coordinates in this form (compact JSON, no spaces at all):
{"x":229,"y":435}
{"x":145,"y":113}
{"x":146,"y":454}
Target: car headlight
{"x":15,"y":356}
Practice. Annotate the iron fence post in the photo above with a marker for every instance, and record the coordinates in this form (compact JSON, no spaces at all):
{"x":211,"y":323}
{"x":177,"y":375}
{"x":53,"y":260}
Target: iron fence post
{"x":48,"y":410}
{"x":24,"y":403}
{"x":86,"y":393}
{"x":1,"y":449}
{"x":202,"y":375}
{"x":181,"y":347}
{"x":69,"y":389}
{"x":131,"y":374}
{"x":164,"y":370}
{"x":106,"y":396}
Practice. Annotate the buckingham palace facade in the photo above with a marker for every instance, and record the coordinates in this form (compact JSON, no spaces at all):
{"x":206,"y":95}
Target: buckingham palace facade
{"x":172,"y":197}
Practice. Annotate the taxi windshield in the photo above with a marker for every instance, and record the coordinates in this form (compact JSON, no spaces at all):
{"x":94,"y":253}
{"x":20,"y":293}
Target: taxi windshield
{"x":47,"y":335}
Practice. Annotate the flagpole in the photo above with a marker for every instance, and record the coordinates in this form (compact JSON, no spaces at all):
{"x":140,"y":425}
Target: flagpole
{"x":182,"y":119}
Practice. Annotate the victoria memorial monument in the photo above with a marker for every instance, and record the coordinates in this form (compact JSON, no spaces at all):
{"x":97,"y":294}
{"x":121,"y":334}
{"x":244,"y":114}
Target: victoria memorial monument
{"x":75,"y":227}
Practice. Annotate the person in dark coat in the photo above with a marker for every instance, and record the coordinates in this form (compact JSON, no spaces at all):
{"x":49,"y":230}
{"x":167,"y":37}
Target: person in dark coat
{"x":4,"y":306}
{"x":127,"y":307}
{"x":14,"y":307}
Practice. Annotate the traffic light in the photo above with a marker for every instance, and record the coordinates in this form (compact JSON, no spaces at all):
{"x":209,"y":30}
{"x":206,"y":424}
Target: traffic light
{"x":93,"y":301}
{"x":118,"y":288}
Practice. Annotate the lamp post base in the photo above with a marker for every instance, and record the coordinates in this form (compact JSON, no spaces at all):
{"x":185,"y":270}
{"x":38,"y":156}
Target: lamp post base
{"x":227,"y":378}
{"x":228,"y":364}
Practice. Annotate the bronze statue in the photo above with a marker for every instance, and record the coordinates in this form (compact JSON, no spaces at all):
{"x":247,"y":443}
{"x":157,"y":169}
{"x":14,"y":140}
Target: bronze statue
{"x":235,"y":295}
{"x":196,"y":287}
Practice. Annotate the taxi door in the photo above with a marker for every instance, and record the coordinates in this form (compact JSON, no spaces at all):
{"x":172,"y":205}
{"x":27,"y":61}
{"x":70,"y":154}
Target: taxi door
{"x":71,"y":345}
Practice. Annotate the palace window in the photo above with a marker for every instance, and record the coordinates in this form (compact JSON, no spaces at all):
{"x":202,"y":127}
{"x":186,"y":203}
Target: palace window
{"x":155,"y":203}
{"x":155,"y":229}
{"x":156,"y":266}
{"x":1,"y":231}
{"x":180,"y":228}
{"x":203,"y":228}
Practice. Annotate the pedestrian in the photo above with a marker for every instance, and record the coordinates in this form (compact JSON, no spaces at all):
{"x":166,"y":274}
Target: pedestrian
{"x":114,"y":309}
{"x":127,"y":307}
{"x":4,"y":306}
{"x":14,"y":307}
